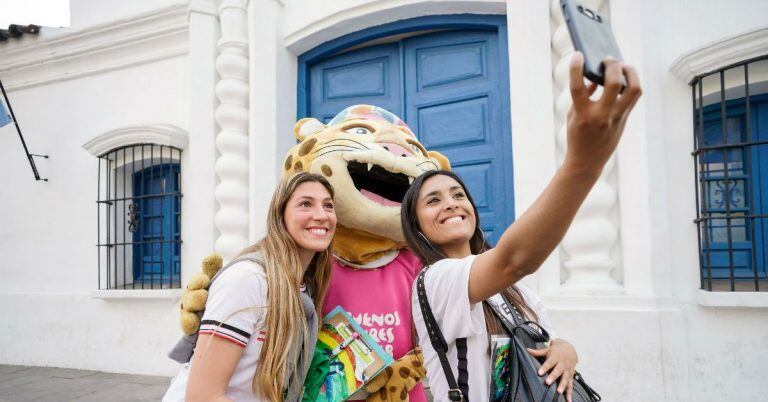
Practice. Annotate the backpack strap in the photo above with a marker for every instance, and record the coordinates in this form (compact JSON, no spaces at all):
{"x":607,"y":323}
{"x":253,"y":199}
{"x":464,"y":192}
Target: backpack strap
{"x":456,"y":391}
{"x":185,"y":347}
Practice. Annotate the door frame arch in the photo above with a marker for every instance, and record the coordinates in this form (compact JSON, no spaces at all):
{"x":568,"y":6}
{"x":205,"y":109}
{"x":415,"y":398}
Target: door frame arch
{"x":486,"y":22}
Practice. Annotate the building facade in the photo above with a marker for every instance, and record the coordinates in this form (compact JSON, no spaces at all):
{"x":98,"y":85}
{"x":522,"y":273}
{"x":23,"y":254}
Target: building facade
{"x":165,"y":124}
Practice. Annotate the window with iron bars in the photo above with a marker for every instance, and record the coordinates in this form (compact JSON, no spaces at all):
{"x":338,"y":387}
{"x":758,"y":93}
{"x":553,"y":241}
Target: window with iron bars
{"x":730,"y":108}
{"x":139,"y":217}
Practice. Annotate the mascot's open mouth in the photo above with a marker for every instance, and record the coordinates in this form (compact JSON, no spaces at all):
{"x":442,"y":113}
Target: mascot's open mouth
{"x":378,"y":184}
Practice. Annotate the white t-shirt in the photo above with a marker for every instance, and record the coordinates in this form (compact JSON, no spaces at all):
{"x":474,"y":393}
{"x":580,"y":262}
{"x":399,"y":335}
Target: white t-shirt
{"x":236,"y":312}
{"x":447,"y":287}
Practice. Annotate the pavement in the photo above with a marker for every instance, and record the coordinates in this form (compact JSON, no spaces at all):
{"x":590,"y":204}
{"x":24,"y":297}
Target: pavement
{"x":25,"y":383}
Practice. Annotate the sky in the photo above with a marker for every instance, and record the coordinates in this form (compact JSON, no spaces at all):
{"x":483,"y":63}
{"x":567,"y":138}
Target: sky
{"x":50,"y":13}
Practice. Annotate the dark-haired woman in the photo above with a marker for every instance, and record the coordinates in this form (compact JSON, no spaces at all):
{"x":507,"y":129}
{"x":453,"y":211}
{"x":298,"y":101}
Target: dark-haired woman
{"x":440,"y":223}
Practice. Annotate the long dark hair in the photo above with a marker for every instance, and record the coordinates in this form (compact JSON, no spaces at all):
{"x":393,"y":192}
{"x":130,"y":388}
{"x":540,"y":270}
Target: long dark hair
{"x":429,"y":254}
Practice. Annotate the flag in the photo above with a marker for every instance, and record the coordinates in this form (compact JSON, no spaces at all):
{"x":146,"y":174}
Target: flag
{"x":4,"y":118}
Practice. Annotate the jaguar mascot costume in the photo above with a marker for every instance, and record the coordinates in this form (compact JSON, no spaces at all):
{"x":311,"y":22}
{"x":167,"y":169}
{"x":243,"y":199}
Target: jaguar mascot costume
{"x":370,"y":156}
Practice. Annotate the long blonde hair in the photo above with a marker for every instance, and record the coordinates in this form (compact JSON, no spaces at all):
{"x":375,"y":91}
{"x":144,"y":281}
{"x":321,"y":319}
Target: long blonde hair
{"x":286,"y":326}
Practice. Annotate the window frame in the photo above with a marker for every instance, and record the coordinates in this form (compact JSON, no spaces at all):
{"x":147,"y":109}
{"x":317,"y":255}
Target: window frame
{"x":746,"y":109}
{"x":119,"y":217}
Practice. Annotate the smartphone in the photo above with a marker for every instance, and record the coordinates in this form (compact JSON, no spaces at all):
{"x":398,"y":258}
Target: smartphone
{"x":591,"y":35}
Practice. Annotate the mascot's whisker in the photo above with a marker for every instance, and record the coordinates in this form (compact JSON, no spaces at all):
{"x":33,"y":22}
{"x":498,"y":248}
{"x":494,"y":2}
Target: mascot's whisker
{"x":337,"y":146}
{"x":336,"y":150}
{"x":428,"y":161}
{"x":350,"y":140}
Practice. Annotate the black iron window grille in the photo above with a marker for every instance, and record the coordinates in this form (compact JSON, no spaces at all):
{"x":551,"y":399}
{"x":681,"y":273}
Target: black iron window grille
{"x":730,"y":108}
{"x":139,"y":217}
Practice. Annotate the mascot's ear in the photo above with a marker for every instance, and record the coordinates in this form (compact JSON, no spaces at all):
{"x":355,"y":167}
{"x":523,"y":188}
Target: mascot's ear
{"x":306,"y":127}
{"x":441,"y":160}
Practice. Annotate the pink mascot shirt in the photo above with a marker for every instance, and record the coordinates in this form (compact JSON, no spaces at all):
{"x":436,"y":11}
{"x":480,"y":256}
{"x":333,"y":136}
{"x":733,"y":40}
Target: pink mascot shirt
{"x":380,"y":301}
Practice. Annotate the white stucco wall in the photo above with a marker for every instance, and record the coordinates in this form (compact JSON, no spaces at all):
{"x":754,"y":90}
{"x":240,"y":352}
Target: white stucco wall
{"x":653,"y":342}
{"x":725,"y":346}
{"x":49,"y":228}
{"x":84,"y":87}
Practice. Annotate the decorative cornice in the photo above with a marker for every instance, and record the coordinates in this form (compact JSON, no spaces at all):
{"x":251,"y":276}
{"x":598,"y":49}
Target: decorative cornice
{"x":103,"y":47}
{"x":721,"y":53}
{"x":367,"y":14}
{"x":159,"y":134}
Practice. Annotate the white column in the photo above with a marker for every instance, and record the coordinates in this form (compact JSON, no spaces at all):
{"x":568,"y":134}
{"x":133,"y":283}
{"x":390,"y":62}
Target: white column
{"x":647,"y":247}
{"x":267,"y":104}
{"x":232,"y":218}
{"x":199,"y":158}
{"x":588,"y":244}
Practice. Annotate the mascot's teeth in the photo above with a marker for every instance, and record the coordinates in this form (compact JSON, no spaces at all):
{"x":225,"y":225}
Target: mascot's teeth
{"x":370,"y":165}
{"x":410,"y":180}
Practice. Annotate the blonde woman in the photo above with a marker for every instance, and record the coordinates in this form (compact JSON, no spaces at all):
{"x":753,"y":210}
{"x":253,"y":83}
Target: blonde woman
{"x":255,"y":343}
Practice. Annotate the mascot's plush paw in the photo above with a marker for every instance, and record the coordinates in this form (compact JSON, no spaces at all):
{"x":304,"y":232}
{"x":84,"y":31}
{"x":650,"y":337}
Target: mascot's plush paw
{"x":394,"y":383}
{"x":194,"y":298}
{"x":199,"y":281}
{"x":190,"y":322}
{"x":212,"y":264}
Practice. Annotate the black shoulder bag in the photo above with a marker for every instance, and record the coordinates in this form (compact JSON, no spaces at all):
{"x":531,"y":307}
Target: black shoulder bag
{"x":524,"y":383}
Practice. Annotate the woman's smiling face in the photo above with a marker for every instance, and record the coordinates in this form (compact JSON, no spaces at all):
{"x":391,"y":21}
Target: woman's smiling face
{"x":445,"y":215}
{"x":310,"y":217}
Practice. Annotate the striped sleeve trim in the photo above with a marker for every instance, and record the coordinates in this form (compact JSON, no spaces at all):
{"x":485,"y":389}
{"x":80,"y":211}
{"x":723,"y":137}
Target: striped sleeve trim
{"x":225,"y":337}
{"x":225,"y":331}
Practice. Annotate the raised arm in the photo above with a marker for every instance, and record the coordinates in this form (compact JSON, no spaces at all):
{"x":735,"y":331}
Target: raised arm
{"x":594,"y":130}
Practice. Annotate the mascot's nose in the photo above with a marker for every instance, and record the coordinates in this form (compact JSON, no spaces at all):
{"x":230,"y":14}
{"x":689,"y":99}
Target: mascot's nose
{"x":395,"y":149}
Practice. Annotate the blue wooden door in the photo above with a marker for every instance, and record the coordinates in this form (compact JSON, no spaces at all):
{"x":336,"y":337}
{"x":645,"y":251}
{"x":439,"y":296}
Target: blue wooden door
{"x":156,"y":248}
{"x":746,"y":192}
{"x":451,"y":88}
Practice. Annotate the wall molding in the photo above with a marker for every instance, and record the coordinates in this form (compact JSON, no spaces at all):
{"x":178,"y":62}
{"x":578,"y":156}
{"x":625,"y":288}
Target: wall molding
{"x":367,"y":15}
{"x":159,"y":134}
{"x":731,"y":299}
{"x":105,"y":47}
{"x":721,"y":53}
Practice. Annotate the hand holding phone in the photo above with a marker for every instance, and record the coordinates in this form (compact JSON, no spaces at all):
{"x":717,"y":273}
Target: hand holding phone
{"x":592,"y":36}
{"x":595,"y":125}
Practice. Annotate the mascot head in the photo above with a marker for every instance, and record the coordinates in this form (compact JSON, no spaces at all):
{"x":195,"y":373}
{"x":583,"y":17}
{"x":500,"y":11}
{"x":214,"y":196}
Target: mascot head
{"x":370,"y":156}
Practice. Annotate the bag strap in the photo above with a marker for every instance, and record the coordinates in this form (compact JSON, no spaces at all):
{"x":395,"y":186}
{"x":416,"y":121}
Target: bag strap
{"x":436,"y":338}
{"x":519,"y":324}
{"x":254,"y":257}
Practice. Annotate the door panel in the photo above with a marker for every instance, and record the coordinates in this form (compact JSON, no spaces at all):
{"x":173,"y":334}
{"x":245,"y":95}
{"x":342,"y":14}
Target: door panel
{"x":369,"y":75}
{"x":454,"y":92}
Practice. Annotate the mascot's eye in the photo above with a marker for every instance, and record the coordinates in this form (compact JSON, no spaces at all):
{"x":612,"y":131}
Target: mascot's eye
{"x":358,"y":130}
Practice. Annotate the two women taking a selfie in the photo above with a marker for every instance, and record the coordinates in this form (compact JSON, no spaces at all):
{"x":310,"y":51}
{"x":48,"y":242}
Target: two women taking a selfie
{"x":261,"y":319}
